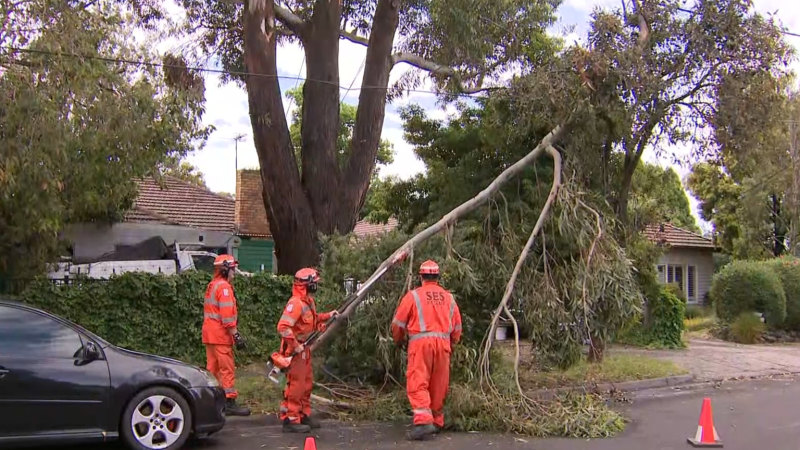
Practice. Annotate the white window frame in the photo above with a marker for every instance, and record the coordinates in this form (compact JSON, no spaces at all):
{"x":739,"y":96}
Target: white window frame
{"x":663,"y":271}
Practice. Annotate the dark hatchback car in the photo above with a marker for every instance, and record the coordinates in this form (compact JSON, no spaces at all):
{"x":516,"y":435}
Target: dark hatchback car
{"x":60,"y":383}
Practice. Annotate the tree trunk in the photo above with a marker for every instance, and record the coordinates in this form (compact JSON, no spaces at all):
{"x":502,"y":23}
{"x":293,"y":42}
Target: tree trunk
{"x":624,"y":192}
{"x":370,"y":114}
{"x":597,"y":350}
{"x":778,"y":230}
{"x":288,"y":210}
{"x":321,"y":176}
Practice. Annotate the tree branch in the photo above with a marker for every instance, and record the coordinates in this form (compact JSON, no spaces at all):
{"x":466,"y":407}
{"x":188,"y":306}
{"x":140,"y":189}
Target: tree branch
{"x":290,"y":20}
{"x":503,"y":306}
{"x":451,"y":217}
{"x":422,"y":63}
{"x":644,"y":29}
{"x":354,"y":37}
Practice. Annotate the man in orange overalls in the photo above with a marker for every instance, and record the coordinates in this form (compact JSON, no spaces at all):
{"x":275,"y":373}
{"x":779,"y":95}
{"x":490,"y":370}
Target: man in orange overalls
{"x":430,"y":318}
{"x":220,"y":331}
{"x":299,"y":320}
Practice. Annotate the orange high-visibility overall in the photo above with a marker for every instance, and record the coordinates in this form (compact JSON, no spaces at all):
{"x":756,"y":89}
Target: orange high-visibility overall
{"x":220,"y":315}
{"x":299,"y":320}
{"x":430,"y":317}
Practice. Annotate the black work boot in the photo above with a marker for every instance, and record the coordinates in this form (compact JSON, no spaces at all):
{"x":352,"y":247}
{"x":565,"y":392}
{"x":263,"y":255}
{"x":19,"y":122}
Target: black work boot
{"x":289,"y":427}
{"x":232,"y":409}
{"x":421,"y":432}
{"x":310,"y":421}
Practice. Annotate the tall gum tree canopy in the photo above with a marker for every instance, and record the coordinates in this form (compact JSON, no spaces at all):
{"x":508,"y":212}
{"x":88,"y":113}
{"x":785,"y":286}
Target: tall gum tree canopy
{"x":655,"y":69}
{"x":462,"y":45}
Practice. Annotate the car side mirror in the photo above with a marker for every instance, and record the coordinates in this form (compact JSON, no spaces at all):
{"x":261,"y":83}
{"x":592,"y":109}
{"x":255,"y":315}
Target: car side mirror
{"x":90,"y":352}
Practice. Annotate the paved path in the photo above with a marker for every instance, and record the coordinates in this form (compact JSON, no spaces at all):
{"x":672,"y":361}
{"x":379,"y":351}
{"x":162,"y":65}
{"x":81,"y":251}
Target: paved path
{"x":717,"y":360}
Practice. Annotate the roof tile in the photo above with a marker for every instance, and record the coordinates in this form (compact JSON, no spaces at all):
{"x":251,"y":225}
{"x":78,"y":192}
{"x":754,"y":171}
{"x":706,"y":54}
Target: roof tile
{"x":676,"y":237}
{"x":180,"y":203}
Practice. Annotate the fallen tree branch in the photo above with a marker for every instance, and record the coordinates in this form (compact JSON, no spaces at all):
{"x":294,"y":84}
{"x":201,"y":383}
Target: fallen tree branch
{"x":329,"y":402}
{"x":451,"y":217}
{"x":485,"y":375}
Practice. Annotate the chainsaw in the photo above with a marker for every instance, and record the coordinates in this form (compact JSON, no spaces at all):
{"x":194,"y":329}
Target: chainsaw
{"x":278,"y":363}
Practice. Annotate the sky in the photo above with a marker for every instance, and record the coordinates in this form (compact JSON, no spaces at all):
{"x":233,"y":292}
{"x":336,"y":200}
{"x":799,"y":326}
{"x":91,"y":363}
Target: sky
{"x":227,"y":110}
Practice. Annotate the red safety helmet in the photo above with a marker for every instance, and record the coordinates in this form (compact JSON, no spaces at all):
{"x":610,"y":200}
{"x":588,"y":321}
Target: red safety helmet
{"x":429,"y":268}
{"x":226,"y":261}
{"x":306,"y":276}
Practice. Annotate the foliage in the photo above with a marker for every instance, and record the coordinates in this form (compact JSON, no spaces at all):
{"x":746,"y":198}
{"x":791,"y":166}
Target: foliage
{"x":742,"y":213}
{"x":699,"y":323}
{"x":697,"y":311}
{"x":162,"y":314}
{"x":675,"y":289}
{"x":745,"y":286}
{"x":788,"y":269}
{"x":656,"y":70}
{"x":747,"y":328}
{"x":580,"y":287}
{"x":657,"y":196}
{"x":185,"y":171}
{"x":666,"y":325}
{"x":75,"y":133}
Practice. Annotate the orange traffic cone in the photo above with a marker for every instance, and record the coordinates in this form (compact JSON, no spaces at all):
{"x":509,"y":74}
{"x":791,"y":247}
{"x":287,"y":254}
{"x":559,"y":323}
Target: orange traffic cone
{"x":311,"y":444}
{"x":706,"y":432}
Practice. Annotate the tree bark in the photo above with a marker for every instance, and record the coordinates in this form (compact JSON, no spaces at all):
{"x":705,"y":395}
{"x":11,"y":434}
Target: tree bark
{"x":288,"y":210}
{"x":321,"y":175}
{"x":370,"y":113}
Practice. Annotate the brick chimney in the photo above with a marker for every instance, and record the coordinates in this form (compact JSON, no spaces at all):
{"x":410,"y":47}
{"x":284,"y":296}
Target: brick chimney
{"x":250,"y":215}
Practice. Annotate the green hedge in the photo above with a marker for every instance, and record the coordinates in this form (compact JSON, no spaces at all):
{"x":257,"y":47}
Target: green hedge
{"x":666,"y":325}
{"x":788,"y":270}
{"x":162,"y":314}
{"x":744,"y":286}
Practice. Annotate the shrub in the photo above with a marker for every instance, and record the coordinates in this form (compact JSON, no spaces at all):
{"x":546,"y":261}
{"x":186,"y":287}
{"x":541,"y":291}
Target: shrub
{"x":675,"y":289}
{"x":788,"y":270}
{"x":666,"y":320}
{"x":164,"y":314}
{"x":744,"y":286}
{"x":747,"y":328}
{"x":697,"y":311}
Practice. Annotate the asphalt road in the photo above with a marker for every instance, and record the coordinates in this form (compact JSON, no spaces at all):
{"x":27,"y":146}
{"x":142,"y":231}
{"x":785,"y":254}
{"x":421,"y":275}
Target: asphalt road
{"x":748,"y":415}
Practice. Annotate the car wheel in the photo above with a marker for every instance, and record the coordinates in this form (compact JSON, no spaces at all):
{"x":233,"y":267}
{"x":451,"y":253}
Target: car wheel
{"x":158,"y":418}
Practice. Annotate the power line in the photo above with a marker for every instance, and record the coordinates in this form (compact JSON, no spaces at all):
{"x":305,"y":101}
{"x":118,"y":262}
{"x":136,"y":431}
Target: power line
{"x":217,"y":71}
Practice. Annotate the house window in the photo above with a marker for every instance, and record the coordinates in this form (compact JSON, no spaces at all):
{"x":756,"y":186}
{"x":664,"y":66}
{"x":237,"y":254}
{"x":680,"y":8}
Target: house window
{"x":671,"y":273}
{"x":691,"y":283}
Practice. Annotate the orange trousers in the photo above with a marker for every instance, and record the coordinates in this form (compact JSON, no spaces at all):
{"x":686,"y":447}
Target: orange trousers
{"x":219,"y":361}
{"x":297,"y":396}
{"x":428,"y":379}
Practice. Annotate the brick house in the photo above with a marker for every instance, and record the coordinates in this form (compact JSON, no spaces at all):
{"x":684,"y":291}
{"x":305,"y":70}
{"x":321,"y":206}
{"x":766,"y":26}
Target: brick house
{"x":256,"y":250}
{"x":687,"y":260}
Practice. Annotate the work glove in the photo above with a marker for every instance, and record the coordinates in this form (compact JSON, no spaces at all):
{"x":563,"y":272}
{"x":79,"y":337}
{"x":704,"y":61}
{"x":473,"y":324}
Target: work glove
{"x":239,"y":340}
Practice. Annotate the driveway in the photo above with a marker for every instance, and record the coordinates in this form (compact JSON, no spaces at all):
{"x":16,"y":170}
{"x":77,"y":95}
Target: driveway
{"x":720,"y":360}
